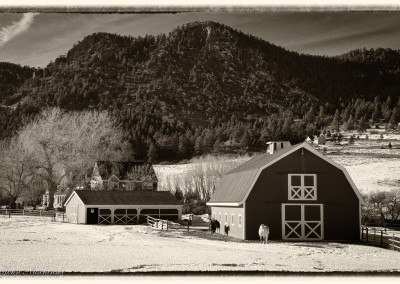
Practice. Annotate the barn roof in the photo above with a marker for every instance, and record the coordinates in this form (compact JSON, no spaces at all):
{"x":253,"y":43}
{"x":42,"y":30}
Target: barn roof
{"x":126,"y":170}
{"x":233,"y":186}
{"x":236,"y":185}
{"x":89,"y":197}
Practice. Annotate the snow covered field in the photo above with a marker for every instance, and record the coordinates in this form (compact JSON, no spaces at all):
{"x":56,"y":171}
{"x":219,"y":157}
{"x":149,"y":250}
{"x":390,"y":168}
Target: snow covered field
{"x":34,"y":244}
{"x":370,"y":163}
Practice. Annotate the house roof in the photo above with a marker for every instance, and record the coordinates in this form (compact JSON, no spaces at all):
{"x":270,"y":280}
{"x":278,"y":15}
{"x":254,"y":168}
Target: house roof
{"x":126,"y":170}
{"x":89,"y":197}
{"x":236,"y":185}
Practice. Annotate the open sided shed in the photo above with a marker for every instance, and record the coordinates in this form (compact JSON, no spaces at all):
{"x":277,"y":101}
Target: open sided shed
{"x":121,"y":207}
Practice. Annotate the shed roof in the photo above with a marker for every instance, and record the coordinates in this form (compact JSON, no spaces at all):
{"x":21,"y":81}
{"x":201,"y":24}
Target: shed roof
{"x":236,"y":185}
{"x":90,"y":197}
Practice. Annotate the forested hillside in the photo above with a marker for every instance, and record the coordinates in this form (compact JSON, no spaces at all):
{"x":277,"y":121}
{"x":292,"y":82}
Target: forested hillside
{"x":205,"y":87}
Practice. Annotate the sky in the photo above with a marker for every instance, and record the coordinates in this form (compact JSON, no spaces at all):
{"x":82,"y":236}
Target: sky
{"x":36,"y":39}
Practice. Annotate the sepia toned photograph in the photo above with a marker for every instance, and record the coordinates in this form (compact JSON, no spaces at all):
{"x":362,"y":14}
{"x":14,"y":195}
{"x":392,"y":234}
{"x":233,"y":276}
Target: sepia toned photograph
{"x":199,"y":141}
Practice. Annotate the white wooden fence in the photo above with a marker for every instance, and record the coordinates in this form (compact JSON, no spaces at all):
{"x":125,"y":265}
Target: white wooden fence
{"x":381,"y":237}
{"x":8,"y":213}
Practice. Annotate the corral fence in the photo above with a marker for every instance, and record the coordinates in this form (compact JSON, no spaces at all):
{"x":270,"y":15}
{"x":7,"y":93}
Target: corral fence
{"x":161,"y":223}
{"x":55,"y":216}
{"x":381,"y":237}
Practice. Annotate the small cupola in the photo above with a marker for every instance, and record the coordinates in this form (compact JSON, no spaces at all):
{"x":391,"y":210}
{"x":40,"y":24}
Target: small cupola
{"x":274,"y":146}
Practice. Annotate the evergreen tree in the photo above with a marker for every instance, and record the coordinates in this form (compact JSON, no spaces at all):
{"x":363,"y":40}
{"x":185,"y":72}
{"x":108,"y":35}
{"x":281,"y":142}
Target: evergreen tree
{"x":336,"y":121}
{"x":362,"y":125}
{"x":350,"y":123}
{"x":245,"y":141}
{"x":198,"y":147}
{"x":377,"y":110}
{"x":311,"y":130}
{"x":152,"y":154}
{"x":386,"y":110}
{"x":395,"y":118}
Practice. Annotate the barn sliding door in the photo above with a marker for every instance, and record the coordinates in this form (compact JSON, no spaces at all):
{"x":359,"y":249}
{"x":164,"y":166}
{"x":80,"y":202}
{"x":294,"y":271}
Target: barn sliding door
{"x":302,"y":222}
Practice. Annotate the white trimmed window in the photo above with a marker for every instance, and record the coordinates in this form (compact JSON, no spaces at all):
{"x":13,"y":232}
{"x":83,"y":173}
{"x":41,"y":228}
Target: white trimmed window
{"x":302,"y":186}
{"x":240,"y":220}
{"x":226,"y":218}
{"x":232,"y":220}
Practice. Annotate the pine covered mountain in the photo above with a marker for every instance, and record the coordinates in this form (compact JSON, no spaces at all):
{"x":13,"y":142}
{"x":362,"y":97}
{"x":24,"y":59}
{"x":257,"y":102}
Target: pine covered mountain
{"x":201,"y":75}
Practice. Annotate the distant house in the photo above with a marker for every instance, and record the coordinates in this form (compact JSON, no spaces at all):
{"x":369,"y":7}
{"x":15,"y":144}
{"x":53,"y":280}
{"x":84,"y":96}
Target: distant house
{"x":121,"y":207}
{"x":59,"y":198}
{"x":60,"y":195}
{"x":123,"y":176}
{"x":276,"y":145}
{"x":296,"y":191}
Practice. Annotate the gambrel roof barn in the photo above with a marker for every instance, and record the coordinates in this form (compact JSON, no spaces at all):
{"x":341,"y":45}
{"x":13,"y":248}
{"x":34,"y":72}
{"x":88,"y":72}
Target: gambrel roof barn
{"x":296,"y":191}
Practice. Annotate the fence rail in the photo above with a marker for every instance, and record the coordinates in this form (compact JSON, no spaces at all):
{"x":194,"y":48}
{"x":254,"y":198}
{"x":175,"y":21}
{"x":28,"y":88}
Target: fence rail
{"x":28,"y":212}
{"x":162,"y":224}
{"x":157,"y":223}
{"x":381,"y":237}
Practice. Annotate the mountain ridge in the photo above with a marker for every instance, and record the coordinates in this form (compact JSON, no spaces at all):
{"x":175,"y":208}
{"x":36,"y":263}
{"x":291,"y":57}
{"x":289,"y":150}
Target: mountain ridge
{"x":200,"y":75}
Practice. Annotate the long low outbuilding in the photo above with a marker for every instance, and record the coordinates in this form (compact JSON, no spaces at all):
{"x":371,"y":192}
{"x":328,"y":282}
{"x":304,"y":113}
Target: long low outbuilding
{"x":121,"y":207}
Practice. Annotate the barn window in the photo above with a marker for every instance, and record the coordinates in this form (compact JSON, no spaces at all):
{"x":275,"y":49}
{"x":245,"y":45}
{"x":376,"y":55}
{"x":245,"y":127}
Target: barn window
{"x":302,"y":187}
{"x":240,"y":220}
{"x":232,"y":222}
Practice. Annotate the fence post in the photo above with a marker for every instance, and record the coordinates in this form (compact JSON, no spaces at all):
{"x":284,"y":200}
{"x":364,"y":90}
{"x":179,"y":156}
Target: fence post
{"x":40,"y":211}
{"x":167,"y":225}
{"x":23,"y":212}
{"x":393,"y":242}
{"x":366,"y":233}
{"x":63,"y":217}
{"x":381,"y":238}
{"x":374,"y":235}
{"x":362,"y":234}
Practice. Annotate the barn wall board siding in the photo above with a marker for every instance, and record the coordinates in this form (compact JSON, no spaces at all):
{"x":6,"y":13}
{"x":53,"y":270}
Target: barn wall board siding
{"x":235,"y":230}
{"x":75,"y":205}
{"x":341,"y":204}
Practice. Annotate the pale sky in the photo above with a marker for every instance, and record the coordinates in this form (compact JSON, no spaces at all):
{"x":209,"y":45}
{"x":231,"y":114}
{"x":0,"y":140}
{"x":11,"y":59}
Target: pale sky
{"x":34,"y":40}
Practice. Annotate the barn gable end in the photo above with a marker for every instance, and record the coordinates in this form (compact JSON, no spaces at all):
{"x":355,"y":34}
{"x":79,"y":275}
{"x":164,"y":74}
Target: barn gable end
{"x":298,"y":192}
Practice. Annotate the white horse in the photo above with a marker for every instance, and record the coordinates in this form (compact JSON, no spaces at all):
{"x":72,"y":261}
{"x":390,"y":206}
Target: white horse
{"x":263,"y":232}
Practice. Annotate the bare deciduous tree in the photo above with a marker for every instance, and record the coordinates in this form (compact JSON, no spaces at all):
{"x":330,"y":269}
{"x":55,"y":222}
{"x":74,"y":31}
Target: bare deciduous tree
{"x":382,"y":206}
{"x":16,"y":170}
{"x":68,"y":143}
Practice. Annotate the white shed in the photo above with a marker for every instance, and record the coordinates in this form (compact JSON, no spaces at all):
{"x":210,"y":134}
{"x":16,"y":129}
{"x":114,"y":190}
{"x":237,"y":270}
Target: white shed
{"x":121,"y":207}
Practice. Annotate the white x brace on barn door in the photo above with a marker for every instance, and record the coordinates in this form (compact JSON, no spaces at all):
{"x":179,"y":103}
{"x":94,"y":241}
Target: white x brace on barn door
{"x":302,"y":222}
{"x":104,"y":216}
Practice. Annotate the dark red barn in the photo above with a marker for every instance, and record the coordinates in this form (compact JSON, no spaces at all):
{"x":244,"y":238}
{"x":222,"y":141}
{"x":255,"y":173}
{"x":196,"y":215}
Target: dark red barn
{"x":296,"y":191}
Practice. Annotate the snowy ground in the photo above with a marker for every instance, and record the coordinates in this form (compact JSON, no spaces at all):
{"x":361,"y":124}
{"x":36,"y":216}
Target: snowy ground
{"x":34,"y":244}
